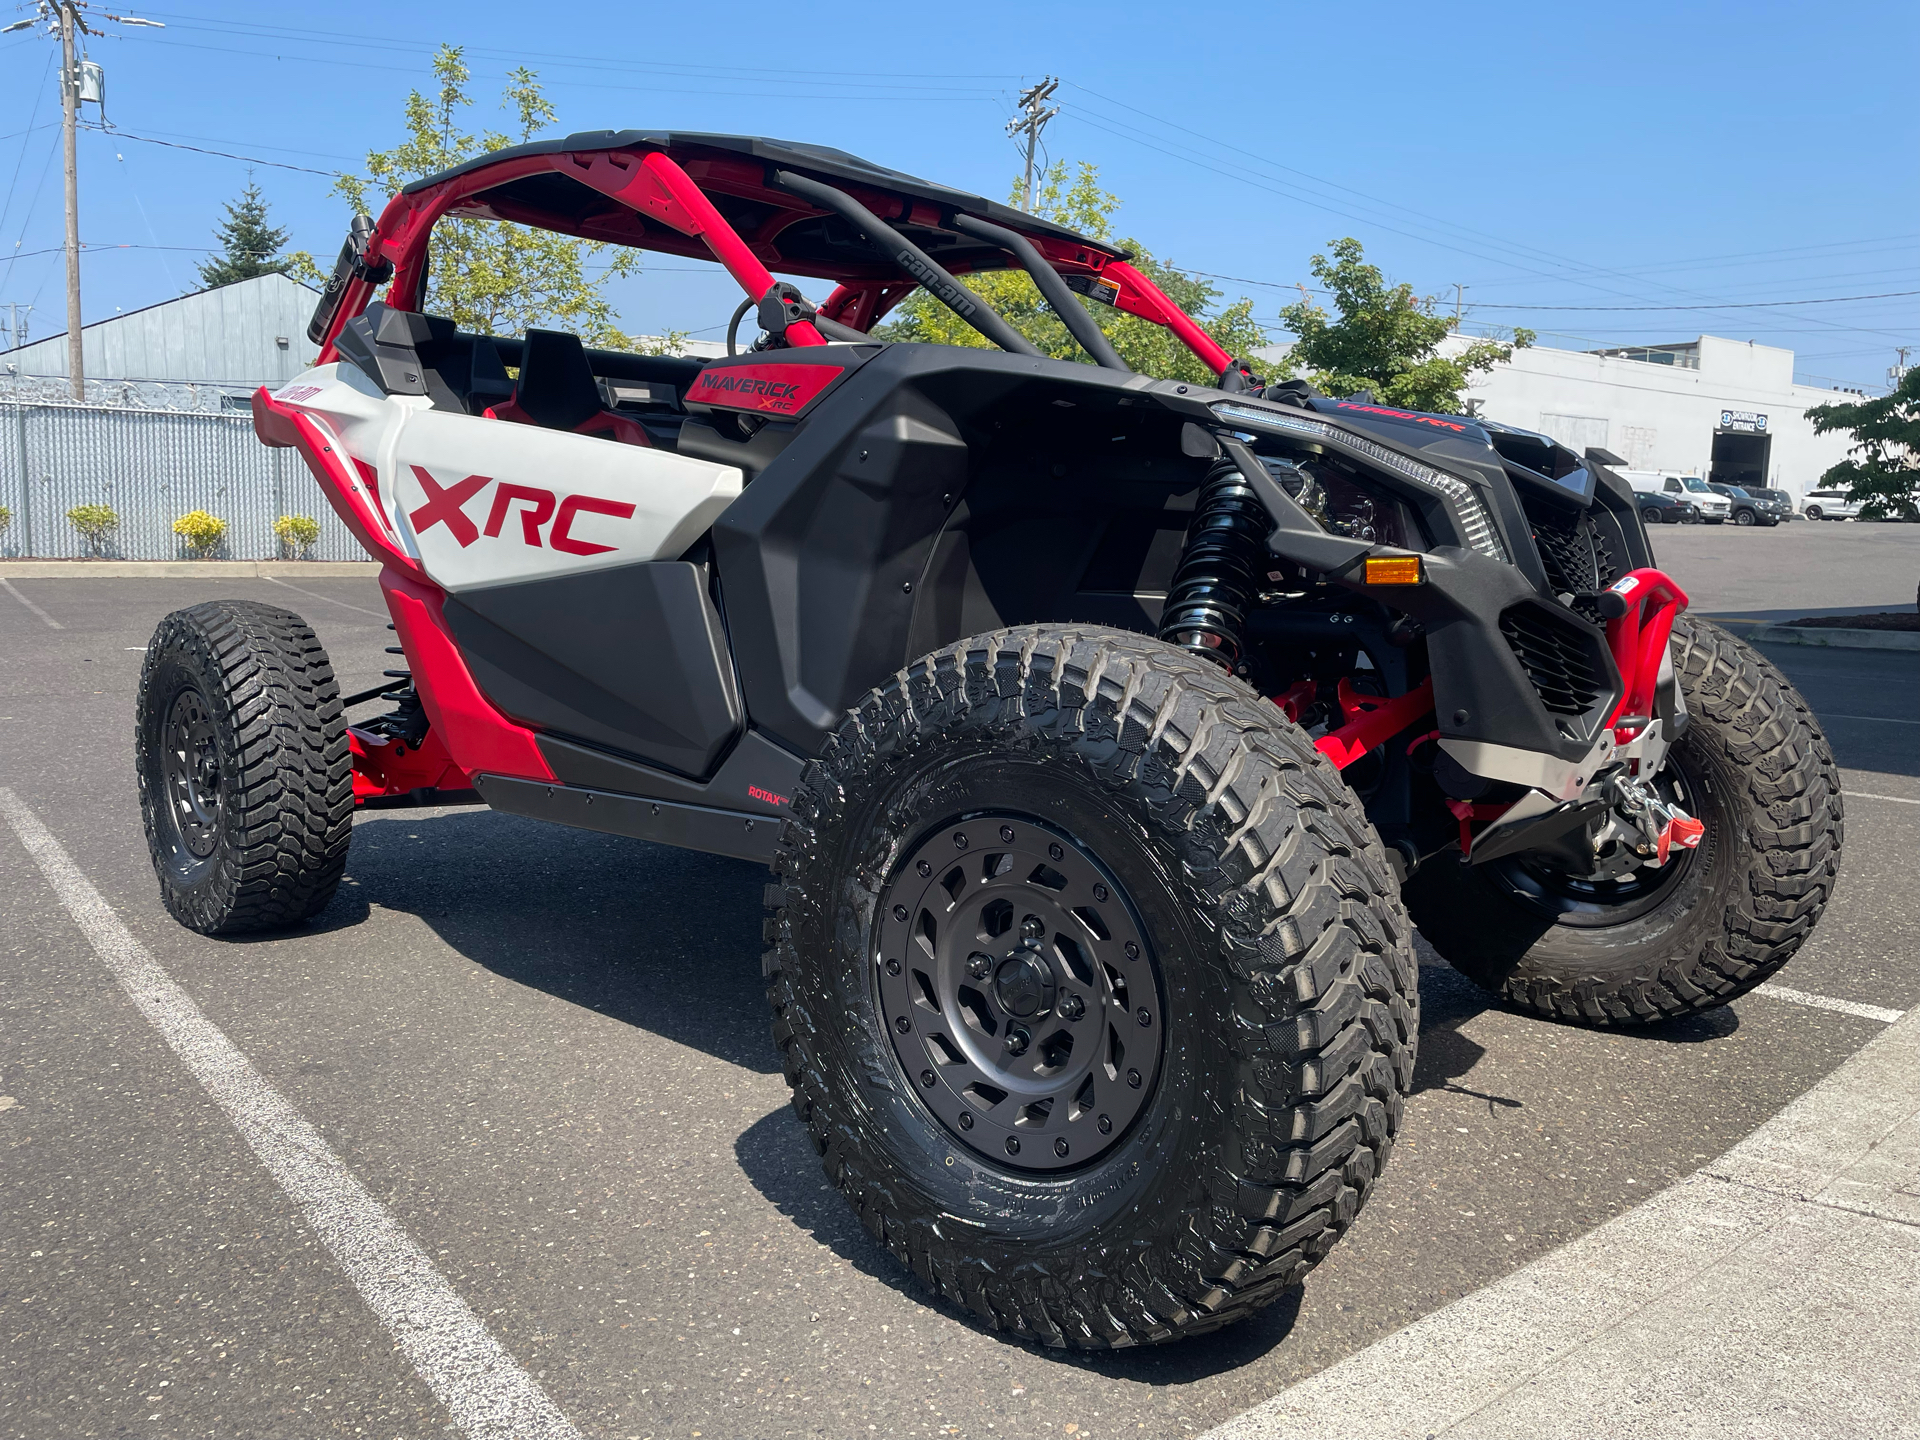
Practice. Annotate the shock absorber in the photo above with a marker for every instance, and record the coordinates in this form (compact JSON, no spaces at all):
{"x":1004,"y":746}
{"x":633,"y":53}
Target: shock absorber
{"x":1219,"y":569}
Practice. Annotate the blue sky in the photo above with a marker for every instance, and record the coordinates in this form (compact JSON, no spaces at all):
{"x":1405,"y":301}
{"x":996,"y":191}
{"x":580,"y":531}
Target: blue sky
{"x":1609,"y":156}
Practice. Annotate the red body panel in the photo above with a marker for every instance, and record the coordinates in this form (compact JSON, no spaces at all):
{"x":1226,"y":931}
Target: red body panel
{"x":478,"y":737}
{"x":282,"y":425}
{"x":771,"y":389}
{"x":1638,"y":640}
{"x":384,"y":768}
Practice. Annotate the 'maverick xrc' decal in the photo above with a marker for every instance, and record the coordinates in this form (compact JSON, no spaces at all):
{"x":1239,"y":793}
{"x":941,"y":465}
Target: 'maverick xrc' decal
{"x":772,"y":389}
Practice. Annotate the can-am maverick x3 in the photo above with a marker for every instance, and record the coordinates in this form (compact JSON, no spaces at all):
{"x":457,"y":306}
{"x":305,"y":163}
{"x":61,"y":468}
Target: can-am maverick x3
{"x":1102,"y":731}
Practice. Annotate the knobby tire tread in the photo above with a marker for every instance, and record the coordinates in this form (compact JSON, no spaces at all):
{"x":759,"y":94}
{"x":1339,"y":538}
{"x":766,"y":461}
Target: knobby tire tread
{"x":1311,"y":936}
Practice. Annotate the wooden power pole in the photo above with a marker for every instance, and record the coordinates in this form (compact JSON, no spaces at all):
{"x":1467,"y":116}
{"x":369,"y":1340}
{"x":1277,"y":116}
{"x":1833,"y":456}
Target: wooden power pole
{"x":70,"y":166}
{"x":65,"y":19}
{"x":1033,"y":119}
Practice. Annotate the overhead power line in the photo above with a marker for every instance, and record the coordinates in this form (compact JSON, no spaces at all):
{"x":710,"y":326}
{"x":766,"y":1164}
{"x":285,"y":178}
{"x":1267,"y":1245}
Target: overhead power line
{"x":1739,"y":305}
{"x":202,"y":150}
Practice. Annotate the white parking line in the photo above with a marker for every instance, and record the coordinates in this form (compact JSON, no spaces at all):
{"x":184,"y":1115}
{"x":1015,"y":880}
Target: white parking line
{"x":8,"y":586}
{"x":1827,"y":1002}
{"x":487,"y":1393}
{"x":1863,"y":795}
{"x":360,"y":609}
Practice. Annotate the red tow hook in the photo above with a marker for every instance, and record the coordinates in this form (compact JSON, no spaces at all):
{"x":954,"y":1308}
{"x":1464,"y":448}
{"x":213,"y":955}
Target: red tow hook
{"x":1682,"y":832}
{"x":1640,"y":608}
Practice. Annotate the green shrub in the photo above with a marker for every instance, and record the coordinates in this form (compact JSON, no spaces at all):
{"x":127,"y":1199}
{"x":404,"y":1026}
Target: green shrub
{"x":298,"y":535}
{"x":95,"y":524}
{"x":202,"y":532}
{"x":6,"y":519}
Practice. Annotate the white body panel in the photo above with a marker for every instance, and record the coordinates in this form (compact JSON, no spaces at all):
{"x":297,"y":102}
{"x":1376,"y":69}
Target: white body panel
{"x":489,"y":502}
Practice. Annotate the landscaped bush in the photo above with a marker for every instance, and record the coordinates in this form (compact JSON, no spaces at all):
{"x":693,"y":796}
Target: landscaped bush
{"x":6,"y":519}
{"x":202,"y":532}
{"x":298,"y":535}
{"x":96,"y":524}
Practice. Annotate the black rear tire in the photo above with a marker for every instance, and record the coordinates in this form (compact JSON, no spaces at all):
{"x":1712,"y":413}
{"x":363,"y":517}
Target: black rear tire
{"x":1274,"y":992}
{"x":246,"y":785}
{"x":1754,"y":766}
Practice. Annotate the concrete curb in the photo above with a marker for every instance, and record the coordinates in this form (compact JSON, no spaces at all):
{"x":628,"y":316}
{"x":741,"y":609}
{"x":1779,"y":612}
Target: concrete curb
{"x":185,"y":569}
{"x":1774,"y":1292}
{"x":1835,"y":637}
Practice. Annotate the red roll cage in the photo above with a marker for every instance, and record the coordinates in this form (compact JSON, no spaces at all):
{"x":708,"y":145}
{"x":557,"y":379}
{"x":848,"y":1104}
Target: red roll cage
{"x":723,"y":197}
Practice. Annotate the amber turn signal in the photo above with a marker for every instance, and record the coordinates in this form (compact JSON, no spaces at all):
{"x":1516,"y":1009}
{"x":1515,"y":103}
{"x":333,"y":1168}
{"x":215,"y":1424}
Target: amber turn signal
{"x":1394,"y":570}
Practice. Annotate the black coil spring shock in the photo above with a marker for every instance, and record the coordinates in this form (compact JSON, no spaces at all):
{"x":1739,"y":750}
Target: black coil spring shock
{"x":1220,"y":568}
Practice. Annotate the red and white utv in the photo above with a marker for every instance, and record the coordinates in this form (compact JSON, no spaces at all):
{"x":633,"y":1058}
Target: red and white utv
{"x":1103,"y":732}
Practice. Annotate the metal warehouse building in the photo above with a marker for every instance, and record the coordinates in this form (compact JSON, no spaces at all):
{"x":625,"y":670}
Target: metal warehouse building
{"x":1724,"y":409}
{"x":235,"y":337}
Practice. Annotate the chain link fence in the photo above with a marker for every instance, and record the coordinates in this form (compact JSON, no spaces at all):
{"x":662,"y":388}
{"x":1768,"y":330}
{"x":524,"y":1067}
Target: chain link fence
{"x":150,"y":467}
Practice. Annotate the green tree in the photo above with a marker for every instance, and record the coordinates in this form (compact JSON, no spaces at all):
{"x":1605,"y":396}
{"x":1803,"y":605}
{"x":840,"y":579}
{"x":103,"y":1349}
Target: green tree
{"x":250,"y":245}
{"x":1882,"y":468}
{"x":1386,"y":339}
{"x":492,"y":276}
{"x":1081,"y":204}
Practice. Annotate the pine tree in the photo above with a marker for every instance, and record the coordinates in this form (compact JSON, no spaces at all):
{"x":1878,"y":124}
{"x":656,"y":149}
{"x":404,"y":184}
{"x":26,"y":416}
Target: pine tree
{"x":251,"y":244}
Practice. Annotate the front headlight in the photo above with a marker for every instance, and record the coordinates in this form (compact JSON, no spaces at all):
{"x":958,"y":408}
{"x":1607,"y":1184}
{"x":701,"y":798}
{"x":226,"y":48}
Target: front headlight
{"x":1475,"y":521}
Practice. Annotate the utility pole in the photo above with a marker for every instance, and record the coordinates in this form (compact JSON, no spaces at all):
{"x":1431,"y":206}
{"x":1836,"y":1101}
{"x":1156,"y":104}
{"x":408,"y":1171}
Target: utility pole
{"x":17,"y":330}
{"x":1032,"y":121}
{"x":1458,"y":291}
{"x":66,"y":19}
{"x":70,"y":165}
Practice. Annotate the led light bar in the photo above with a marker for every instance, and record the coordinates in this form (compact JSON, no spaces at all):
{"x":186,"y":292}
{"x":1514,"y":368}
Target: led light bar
{"x":1475,"y":522}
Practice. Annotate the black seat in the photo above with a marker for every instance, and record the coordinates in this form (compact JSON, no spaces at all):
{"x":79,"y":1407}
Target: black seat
{"x":556,"y":388}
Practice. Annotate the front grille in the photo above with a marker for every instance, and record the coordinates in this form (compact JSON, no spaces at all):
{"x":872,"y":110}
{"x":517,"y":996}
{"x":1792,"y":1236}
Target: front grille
{"x":1564,"y":658}
{"x":1576,"y":556}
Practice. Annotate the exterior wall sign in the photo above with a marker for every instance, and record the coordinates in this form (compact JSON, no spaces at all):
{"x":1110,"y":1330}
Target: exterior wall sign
{"x":1742,"y":420}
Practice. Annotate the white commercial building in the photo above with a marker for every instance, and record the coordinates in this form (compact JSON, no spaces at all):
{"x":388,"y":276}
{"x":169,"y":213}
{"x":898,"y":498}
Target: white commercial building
{"x":1724,"y":409}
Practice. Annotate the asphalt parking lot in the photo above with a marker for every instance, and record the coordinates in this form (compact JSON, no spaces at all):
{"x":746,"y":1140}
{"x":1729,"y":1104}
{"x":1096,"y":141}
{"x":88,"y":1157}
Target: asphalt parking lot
{"x":546,"y":1053}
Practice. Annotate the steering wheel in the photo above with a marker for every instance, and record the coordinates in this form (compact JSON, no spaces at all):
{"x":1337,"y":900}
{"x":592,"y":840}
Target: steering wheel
{"x":733,"y":325}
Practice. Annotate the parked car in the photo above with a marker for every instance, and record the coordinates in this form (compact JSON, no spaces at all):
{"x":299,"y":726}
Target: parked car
{"x":1748,"y":506}
{"x":1096,"y":860}
{"x":1830,"y":505}
{"x":1713,"y":507}
{"x":1781,"y":500}
{"x":1659,"y":508}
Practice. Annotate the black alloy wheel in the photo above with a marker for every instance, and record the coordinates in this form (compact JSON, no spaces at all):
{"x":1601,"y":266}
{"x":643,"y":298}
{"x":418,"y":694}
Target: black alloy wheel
{"x":1019,"y":991}
{"x":190,"y":782}
{"x":1743,"y":517}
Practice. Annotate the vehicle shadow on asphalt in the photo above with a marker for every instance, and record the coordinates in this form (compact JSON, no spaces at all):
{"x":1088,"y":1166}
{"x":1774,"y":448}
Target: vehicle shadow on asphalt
{"x":663,"y":939}
{"x":777,"y":1157}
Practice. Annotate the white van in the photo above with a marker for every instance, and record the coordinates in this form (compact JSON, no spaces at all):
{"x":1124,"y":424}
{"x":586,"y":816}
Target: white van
{"x":1713,"y":506}
{"x":1829,"y":505}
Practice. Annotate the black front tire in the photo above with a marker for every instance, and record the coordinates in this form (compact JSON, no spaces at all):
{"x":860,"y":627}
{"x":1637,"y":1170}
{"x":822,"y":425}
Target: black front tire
{"x":1273,"y":947}
{"x":246,"y":785}
{"x":1756,"y":769}
{"x":1743,"y":517}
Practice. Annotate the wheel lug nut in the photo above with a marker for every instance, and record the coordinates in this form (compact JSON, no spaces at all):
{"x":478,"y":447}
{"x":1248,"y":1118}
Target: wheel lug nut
{"x":1100,"y":893}
{"x":1144,"y":1016}
{"x":959,"y":839}
{"x":1133,"y":951}
{"x":966,"y":1121}
{"x":1017,"y":1040}
{"x":893,"y":967}
{"x":1105,"y":1122}
{"x":1072,"y":1007}
{"x":903,"y":1025}
{"x":926,"y":1077}
{"x":1013,"y":1144}
{"x":979,"y":966}
{"x":1060,"y":1148}
{"x":900,"y":912}
{"x":924,"y":868}
{"x":1054,"y":852}
{"x":1006,"y":834}
{"x":1033,"y":928}
{"x":1133,"y":1078}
